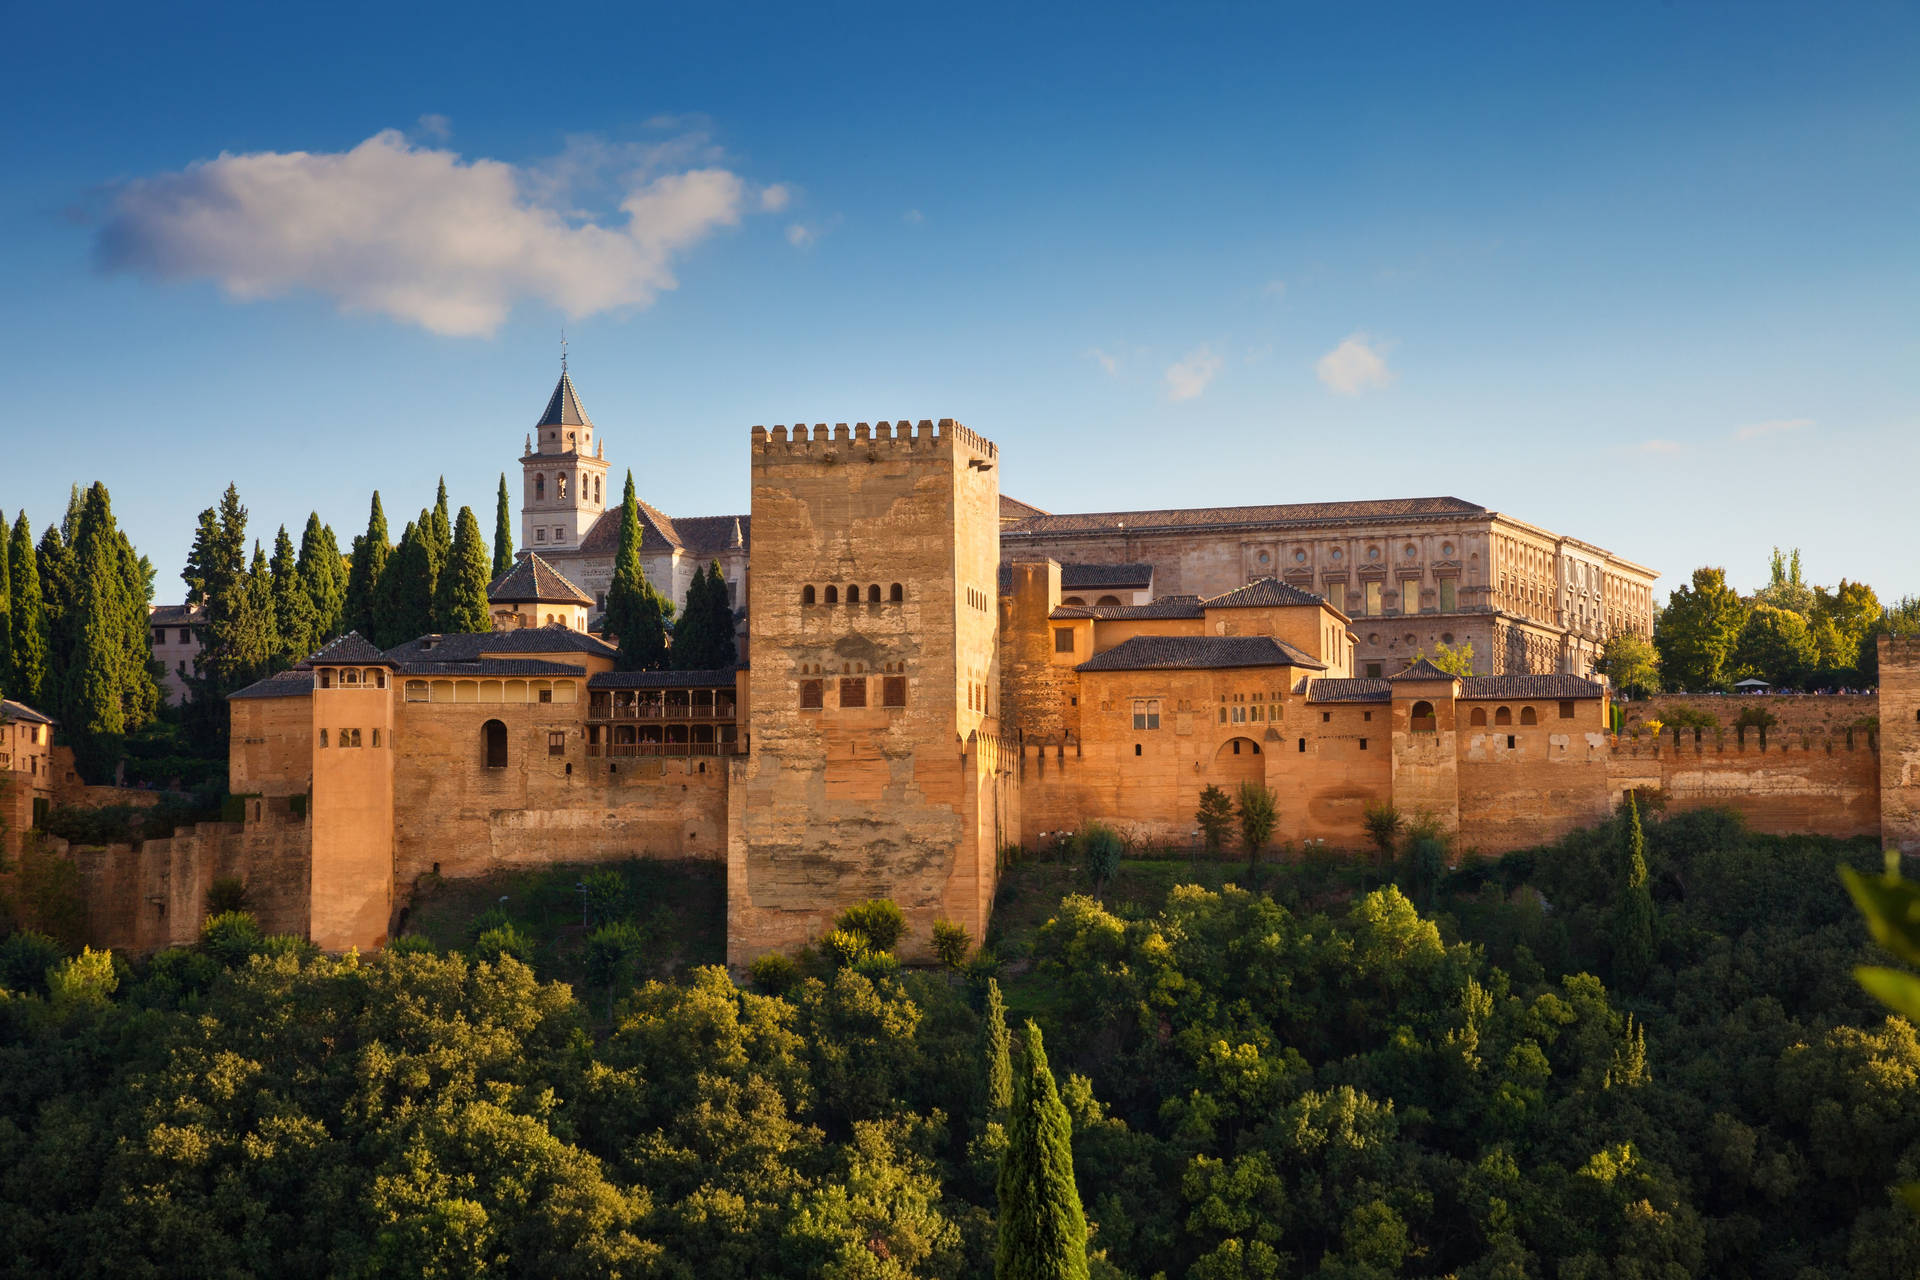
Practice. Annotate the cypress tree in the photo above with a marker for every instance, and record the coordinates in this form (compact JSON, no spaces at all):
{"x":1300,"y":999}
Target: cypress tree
{"x":140,"y":680}
{"x":294,"y":617}
{"x":99,"y":670}
{"x":403,"y":604}
{"x":239,"y":631}
{"x":690,"y":641}
{"x":999,"y":1055}
{"x":27,"y":660}
{"x":70,"y":523}
{"x":55,"y":561}
{"x":437,"y":528}
{"x":1043,"y":1234}
{"x":502,"y":532}
{"x":635,"y":613}
{"x":722,"y":652}
{"x":1633,"y":949}
{"x":6,"y":612}
{"x":323,"y":579}
{"x":461,"y":594}
{"x":261,"y":603}
{"x":371,"y":551}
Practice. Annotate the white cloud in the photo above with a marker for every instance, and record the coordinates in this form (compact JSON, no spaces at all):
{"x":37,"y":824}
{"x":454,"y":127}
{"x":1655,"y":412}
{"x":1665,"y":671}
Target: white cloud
{"x":913,"y":217}
{"x":435,"y":126}
{"x":1187,"y":378}
{"x":801,"y":236}
{"x":1110,"y":363}
{"x":1355,"y":365}
{"x":776,"y":197}
{"x":421,"y":234}
{"x":1659,"y":446}
{"x":1773,"y":427}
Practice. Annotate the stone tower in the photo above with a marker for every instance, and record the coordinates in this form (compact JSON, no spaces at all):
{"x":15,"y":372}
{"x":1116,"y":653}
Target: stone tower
{"x":352,"y":799}
{"x":874,"y":689}
{"x":1900,"y":743}
{"x":565,"y":474}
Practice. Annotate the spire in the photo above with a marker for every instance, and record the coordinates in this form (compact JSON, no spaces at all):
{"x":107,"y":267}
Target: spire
{"x":563,"y":407}
{"x":737,"y":539}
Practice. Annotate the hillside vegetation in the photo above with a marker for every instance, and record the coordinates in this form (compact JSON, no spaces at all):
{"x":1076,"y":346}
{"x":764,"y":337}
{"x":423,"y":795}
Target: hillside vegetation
{"x":1337,"y":1070}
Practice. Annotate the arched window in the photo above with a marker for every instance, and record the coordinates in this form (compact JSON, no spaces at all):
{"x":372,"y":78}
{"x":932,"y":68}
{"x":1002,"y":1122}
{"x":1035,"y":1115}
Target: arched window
{"x":1503,"y":716}
{"x":1478,"y":717}
{"x":573,"y":442}
{"x":596,"y":491}
{"x":873,"y":593}
{"x":1527,"y":716}
{"x":560,"y":486}
{"x":323,"y":738}
{"x":539,"y":487}
{"x":806,"y":594}
{"x":897,"y":593}
{"x":1108,"y":600}
{"x":493,"y":738}
{"x":1423,"y":720}
{"x":1073,"y":600}
{"x":853,"y":593}
{"x":833,"y":595}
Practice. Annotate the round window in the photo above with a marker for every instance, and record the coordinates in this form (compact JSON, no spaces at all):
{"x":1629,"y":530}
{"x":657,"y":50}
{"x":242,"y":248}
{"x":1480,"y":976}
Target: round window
{"x":1299,"y":556}
{"x":1446,"y":637}
{"x":1373,"y":638}
{"x":1411,"y":639}
{"x":1411,"y":551}
{"x":1264,"y":557}
{"x":1336,"y":555}
{"x":1373,"y":553}
{"x":1446,"y":550}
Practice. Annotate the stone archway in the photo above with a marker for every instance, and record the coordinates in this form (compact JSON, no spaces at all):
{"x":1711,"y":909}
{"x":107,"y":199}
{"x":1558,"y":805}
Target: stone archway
{"x":1238,"y":760}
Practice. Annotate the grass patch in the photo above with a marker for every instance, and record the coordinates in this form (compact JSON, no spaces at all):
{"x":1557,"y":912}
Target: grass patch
{"x":681,"y":908}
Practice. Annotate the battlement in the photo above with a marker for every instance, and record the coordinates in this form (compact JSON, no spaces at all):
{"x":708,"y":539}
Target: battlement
{"x":831,"y":443}
{"x":1900,"y":650}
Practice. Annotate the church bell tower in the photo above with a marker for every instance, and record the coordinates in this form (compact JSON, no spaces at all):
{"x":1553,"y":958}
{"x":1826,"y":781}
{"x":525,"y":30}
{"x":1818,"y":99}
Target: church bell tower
{"x":564,"y":474}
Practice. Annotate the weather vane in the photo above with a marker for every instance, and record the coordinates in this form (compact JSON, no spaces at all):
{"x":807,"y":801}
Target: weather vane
{"x":563,"y":350}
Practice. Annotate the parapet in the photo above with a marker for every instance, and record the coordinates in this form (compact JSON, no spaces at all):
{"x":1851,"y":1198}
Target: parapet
{"x":1900,"y":650}
{"x":831,"y":444}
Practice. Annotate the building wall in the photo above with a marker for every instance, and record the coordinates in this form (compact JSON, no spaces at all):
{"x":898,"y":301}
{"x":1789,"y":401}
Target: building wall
{"x":843,"y":803}
{"x":353,"y":818}
{"x":270,"y":746}
{"x":1524,"y":784}
{"x":1900,"y":741}
{"x":1793,"y":786}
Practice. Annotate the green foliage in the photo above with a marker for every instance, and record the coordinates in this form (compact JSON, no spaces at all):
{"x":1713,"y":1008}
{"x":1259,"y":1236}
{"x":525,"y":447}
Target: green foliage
{"x":703,"y":639}
{"x":951,"y":944}
{"x":502,"y":530}
{"x":1786,"y":587}
{"x":403,"y":603}
{"x":6,"y":611}
{"x":613,"y":955}
{"x":1214,"y":818}
{"x":371,"y":551}
{"x":1098,"y":848}
{"x":496,"y":941}
{"x":843,"y":948}
{"x":999,"y":1054}
{"x":323,"y":576}
{"x":460,"y":591}
{"x":87,"y":980}
{"x":1453,"y":661}
{"x":27,"y":659}
{"x":1257,"y":811}
{"x":107,"y":684}
{"x":878,"y":920}
{"x":1696,"y":633}
{"x":296,"y":622}
{"x":1630,"y":661}
{"x":226,"y":893}
{"x":1384,"y":823}
{"x":774,"y":974}
{"x":636,"y":616}
{"x":232,"y":937}
{"x":1776,"y":646}
{"x":605,"y":896}
{"x":49,"y":895}
{"x":239,"y":635}
{"x":1632,"y":932}
{"x":25,"y":958}
{"x":1042,"y":1231}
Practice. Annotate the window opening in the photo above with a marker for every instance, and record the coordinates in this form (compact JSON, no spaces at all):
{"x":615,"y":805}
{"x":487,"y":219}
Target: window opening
{"x":493,"y":736}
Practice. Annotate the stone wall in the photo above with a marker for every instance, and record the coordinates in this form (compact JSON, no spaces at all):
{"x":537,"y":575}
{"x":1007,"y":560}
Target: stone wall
{"x":270,"y":747}
{"x":1820,"y":715}
{"x":1816,"y":786}
{"x":1899,"y":710}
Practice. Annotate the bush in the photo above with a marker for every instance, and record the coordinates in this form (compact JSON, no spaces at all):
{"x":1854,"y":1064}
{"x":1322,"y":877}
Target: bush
{"x":1384,"y":824}
{"x":843,"y":948}
{"x":411,"y":944}
{"x":774,"y":974}
{"x":951,"y":943}
{"x":25,"y":958}
{"x":174,"y":976}
{"x":1099,"y":848}
{"x":1214,"y":818}
{"x":490,"y":919}
{"x":226,"y":893}
{"x":1258,"y":811}
{"x":879,"y":920}
{"x":231,"y":937}
{"x":503,"y":940}
{"x":88,"y":979}
{"x":876,"y":965}
{"x":606,"y":896}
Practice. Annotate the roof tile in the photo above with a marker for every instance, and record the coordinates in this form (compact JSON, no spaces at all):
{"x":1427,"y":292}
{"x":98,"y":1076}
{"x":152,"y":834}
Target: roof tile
{"x":1155,"y":653}
{"x":1263,"y":593}
{"x":1295,"y":513}
{"x":534,"y":580}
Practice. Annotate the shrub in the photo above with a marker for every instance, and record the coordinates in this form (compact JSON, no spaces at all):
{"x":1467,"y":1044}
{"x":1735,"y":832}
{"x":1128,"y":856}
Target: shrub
{"x":173,"y":976}
{"x":503,"y":940}
{"x":288,"y":944}
{"x":226,"y":893}
{"x":1099,"y":847}
{"x":1214,"y":818}
{"x":411,"y":944}
{"x":876,"y":965}
{"x":86,"y":979}
{"x":613,"y":957}
{"x":843,"y":947}
{"x":774,"y":974}
{"x":951,"y":943}
{"x":606,"y":896}
{"x":492,"y":918}
{"x":1258,"y":811}
{"x":1384,"y":824}
{"x":879,"y":920}
{"x":231,"y":937}
{"x":25,"y":958}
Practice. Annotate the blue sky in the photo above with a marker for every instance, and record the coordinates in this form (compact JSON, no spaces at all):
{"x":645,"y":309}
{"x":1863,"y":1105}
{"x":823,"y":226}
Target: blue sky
{"x":1642,"y":274}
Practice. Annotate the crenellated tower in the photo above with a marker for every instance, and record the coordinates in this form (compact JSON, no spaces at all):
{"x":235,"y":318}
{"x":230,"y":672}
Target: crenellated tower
{"x":564,"y":470}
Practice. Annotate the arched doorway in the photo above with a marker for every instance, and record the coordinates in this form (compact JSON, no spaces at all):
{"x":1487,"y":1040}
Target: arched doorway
{"x":493,"y":740}
{"x":1238,"y":760}
{"x":1422,"y":719}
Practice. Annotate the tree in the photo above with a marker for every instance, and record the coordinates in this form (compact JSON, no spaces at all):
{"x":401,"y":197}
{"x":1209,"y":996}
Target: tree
{"x":403,"y":606}
{"x":1455,"y":662}
{"x":879,"y":920}
{"x":1257,"y":810}
{"x":502,"y":532}
{"x":238,"y":643}
{"x":635,"y":615}
{"x":1042,"y":1232}
{"x":54,"y":560}
{"x":1851,"y":609}
{"x":690,"y":641}
{"x":1214,"y":818}
{"x":1099,"y":847}
{"x":460,"y":603}
{"x":999,"y":1054}
{"x":323,"y":576}
{"x":27,"y":659}
{"x":1633,"y":952}
{"x":951,"y":944}
{"x":1629,"y":661}
{"x":1696,"y":633}
{"x":703,"y":639}
{"x":6,"y":612}
{"x":1786,"y":588}
{"x":1384,"y":824}
{"x":109,"y":687}
{"x":1774,"y":645}
{"x":439,"y":529}
{"x":371,"y":551}
{"x":295,"y":622}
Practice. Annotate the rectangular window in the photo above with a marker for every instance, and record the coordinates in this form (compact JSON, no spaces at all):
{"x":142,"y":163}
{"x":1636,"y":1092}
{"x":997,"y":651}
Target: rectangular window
{"x":416,"y":691}
{"x":1449,"y":595}
{"x":1223,"y":715}
{"x":811,"y":694}
{"x":556,"y":742}
{"x":186,"y":636}
{"x":1566,"y":711}
{"x":1146,"y":713}
{"x":1373,"y":599}
{"x":1373,"y":671}
{"x":893,"y":691}
{"x":546,"y":695}
{"x":1326,"y":717}
{"x":1337,"y":595}
{"x":160,"y":635}
{"x":1303,"y":746}
{"x":540,"y":534}
{"x":1363,"y":744}
{"x":853,"y":691}
{"x":1239,"y":715}
{"x":376,"y":737}
{"x":1410,"y":596}
{"x":559,"y":534}
{"x":1063,"y":639}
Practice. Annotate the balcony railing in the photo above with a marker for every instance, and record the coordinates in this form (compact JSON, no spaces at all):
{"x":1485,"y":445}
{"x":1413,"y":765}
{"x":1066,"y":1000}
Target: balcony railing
{"x":617,"y":750}
{"x":600,"y":711}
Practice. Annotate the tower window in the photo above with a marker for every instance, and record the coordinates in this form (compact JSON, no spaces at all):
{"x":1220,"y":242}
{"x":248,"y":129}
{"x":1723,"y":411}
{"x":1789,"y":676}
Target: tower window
{"x":540,"y":534}
{"x":896,"y":593}
{"x":806,"y":594}
{"x":556,"y":742}
{"x":811,"y":692}
{"x":560,"y":486}
{"x":323,"y":739}
{"x":853,"y":593}
{"x":1136,"y":748}
{"x":1063,"y":639}
{"x":1146,"y":713}
{"x":493,"y":743}
{"x":893,"y":691}
{"x":596,"y":491}
{"x":873,"y":593}
{"x":853,"y":691}
{"x":539,"y":487}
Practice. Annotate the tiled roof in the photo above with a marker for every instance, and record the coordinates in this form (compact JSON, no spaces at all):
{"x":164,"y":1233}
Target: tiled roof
{"x":288,"y":684}
{"x":1079,"y":577}
{"x":1519,"y":687}
{"x":1264,"y":593}
{"x":533,"y":579}
{"x":1422,"y":670}
{"x":491,"y":667}
{"x":1354,"y":690}
{"x":1291,"y":513}
{"x":663,"y":679}
{"x":563,"y":408}
{"x":175,"y":615}
{"x":470,"y":646}
{"x":1164,"y":607}
{"x":701,"y":535}
{"x":21,"y":713}
{"x":351,"y":649}
{"x":1157,"y":653}
{"x":712,"y":535}
{"x":1014,"y":509}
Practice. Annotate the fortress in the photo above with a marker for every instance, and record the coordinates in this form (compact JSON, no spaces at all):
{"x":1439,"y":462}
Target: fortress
{"x":934,"y":674}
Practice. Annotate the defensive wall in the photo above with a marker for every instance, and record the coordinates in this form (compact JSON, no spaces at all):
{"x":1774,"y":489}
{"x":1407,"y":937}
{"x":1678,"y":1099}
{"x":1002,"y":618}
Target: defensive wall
{"x":1819,"y":714}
